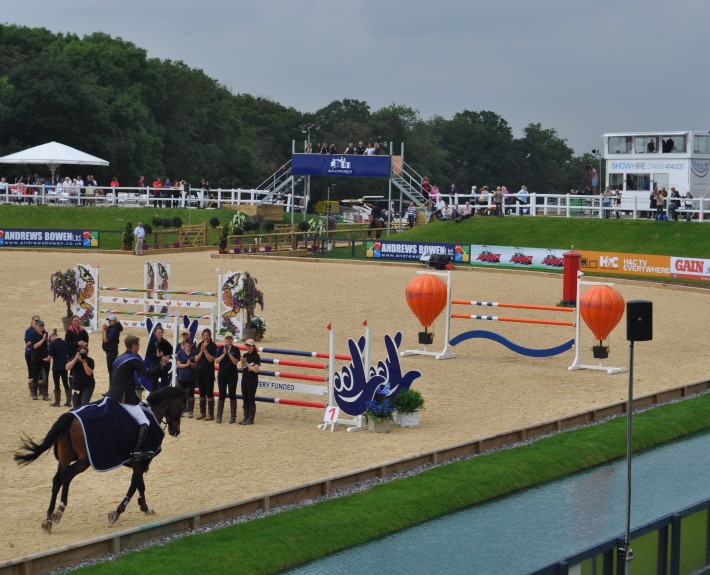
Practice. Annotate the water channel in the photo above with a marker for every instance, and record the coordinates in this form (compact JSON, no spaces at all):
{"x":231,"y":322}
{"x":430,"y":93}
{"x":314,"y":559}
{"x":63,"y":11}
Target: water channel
{"x":530,"y":529}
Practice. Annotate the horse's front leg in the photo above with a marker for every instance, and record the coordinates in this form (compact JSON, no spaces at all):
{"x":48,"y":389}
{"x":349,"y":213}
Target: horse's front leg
{"x":69,"y":473}
{"x":141,"y":491}
{"x":56,"y":485}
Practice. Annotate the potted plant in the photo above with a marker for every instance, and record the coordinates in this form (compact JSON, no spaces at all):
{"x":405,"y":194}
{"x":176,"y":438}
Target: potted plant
{"x":247,"y":297}
{"x":259,"y":324}
{"x":379,"y":411}
{"x":223,"y":240}
{"x":407,"y":403}
{"x":65,"y":287}
{"x":128,"y":237}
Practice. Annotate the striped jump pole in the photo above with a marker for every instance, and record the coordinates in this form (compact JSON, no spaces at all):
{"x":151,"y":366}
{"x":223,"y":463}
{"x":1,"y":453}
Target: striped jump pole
{"x":514,"y":319}
{"x":152,"y":313}
{"x":168,"y":291}
{"x":513,"y":305}
{"x":276,"y":400}
{"x":299,"y":353}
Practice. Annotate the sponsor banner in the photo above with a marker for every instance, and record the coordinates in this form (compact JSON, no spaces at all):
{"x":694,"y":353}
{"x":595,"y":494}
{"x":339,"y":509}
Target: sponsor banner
{"x":517,"y":257}
{"x":268,"y":385}
{"x":17,"y":237}
{"x":414,"y":251}
{"x":626,"y":264}
{"x":690,"y":268}
{"x":341,"y":165}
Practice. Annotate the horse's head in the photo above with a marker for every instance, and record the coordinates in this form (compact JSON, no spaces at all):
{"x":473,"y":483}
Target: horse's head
{"x":168,"y":403}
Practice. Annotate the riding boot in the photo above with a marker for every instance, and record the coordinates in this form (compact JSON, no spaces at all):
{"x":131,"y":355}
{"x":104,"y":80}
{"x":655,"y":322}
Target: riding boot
{"x":203,"y":404}
{"x":29,"y":386}
{"x":57,"y":399}
{"x":210,"y":409}
{"x":33,"y":391}
{"x":45,"y":391}
{"x":252,"y":413}
{"x":190,"y":406}
{"x":220,"y":410}
{"x":245,"y":409}
{"x":138,"y":452}
{"x":67,"y":396}
{"x":232,"y":411}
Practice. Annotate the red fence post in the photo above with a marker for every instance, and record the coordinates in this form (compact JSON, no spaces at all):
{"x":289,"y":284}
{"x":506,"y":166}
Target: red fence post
{"x":572,"y":261}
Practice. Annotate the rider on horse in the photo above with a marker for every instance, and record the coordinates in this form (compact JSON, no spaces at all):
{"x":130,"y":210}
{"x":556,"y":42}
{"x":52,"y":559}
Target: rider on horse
{"x":122,"y":388}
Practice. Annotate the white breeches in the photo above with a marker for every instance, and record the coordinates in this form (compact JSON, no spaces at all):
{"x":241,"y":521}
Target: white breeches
{"x":137,"y":413}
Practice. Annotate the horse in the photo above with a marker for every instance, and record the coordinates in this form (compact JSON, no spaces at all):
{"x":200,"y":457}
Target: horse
{"x":376,"y":227}
{"x":67,"y":438}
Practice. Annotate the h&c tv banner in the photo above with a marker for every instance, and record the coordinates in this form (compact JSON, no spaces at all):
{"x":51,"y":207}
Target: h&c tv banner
{"x":341,"y":165}
{"x":33,"y":238}
{"x":625,"y":264}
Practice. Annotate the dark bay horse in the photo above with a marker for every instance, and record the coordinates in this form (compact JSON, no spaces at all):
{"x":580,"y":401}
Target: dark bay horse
{"x":67,"y":438}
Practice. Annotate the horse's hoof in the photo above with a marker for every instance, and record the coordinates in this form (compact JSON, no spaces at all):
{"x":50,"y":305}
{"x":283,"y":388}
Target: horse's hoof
{"x":47,"y":525}
{"x":150,"y":511}
{"x":113,"y":517}
{"x":57,"y":516}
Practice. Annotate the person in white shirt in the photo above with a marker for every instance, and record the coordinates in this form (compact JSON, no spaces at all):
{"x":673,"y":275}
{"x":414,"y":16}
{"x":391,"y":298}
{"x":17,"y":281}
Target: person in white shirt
{"x":523,"y":199}
{"x":369,"y":151}
{"x":139,"y":234}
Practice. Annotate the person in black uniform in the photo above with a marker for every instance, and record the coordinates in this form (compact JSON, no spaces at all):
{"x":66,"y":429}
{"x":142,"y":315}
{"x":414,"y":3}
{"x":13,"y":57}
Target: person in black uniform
{"x":39,"y":344}
{"x":110,"y":338}
{"x":159,"y":347}
{"x":228,"y":361}
{"x":204,"y":373}
{"x":123,"y":388}
{"x":81,"y":367}
{"x":72,"y":337}
{"x":251,"y":362}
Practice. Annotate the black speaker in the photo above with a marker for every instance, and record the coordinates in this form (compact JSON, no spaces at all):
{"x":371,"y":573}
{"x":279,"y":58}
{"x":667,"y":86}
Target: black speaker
{"x":639,"y":320}
{"x":439,"y":261}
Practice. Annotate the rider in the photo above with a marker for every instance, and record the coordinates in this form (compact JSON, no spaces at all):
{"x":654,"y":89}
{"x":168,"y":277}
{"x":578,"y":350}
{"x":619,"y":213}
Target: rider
{"x":122,"y":388}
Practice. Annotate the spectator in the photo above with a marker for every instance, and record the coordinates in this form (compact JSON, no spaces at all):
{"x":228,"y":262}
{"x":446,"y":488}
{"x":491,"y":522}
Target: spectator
{"x":39,"y":345}
{"x":114,"y":183}
{"x":498,"y":202}
{"x":157,"y":192}
{"x":141,"y":183}
{"x":139,"y":235}
{"x":440,"y":206}
{"x":75,"y":337}
{"x":376,"y":149}
{"x":674,"y":203}
{"x":251,"y":362}
{"x":323,"y":149}
{"x":616,"y":200}
{"x":430,"y":207}
{"x":308,"y":150}
{"x":360,"y":150}
{"x":204,"y":374}
{"x":523,"y":199}
{"x":158,"y":347}
{"x":333,"y":149}
{"x":57,"y":354}
{"x":81,"y":367}
{"x":467,"y":211}
{"x":426,"y":186}
{"x":350,"y":150}
{"x":110,"y":336}
{"x":453,"y":195}
{"x":606,"y":202}
{"x":688,"y":205}
{"x":369,"y":151}
{"x":28,"y":350}
{"x":228,"y":362}
{"x":411,"y":215}
{"x":186,"y":371}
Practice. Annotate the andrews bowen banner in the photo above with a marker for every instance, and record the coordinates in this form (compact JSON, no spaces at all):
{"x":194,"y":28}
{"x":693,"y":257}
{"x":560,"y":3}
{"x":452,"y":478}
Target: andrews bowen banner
{"x":413,"y":251}
{"x":28,"y":238}
{"x":341,"y":165}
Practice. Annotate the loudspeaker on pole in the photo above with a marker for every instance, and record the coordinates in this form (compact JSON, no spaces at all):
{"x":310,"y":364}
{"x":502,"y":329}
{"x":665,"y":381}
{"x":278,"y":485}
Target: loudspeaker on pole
{"x":639,"y":320}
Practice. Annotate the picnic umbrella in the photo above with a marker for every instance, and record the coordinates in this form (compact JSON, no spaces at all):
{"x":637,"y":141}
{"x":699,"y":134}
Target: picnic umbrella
{"x":53,"y":155}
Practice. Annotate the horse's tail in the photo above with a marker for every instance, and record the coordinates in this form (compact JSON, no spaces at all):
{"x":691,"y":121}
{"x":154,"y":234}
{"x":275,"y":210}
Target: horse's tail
{"x":29,"y":451}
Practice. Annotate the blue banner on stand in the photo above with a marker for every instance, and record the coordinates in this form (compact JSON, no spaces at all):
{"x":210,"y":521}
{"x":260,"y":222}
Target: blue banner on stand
{"x":341,"y":165}
{"x":31,"y":238}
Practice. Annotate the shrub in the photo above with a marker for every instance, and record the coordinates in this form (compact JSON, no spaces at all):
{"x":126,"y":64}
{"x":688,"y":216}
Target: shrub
{"x":176,"y":222}
{"x":408,"y":401}
{"x":214,"y":222}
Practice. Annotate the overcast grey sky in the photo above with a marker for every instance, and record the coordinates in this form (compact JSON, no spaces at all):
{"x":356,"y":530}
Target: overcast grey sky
{"x":581,"y":68}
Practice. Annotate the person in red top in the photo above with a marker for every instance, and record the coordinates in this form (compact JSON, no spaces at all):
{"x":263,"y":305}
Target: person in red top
{"x":158,"y":192}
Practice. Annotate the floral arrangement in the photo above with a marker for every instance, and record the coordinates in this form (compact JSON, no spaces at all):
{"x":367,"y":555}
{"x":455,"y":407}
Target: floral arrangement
{"x":379,"y":407}
{"x":239,"y":219}
{"x":248,"y":296}
{"x":258,"y":323}
{"x":316,"y":226}
{"x":65,"y":287}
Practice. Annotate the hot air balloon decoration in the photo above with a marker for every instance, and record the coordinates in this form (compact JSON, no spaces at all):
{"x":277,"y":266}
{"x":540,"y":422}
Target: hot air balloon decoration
{"x":601,"y":308}
{"x":426,"y":296}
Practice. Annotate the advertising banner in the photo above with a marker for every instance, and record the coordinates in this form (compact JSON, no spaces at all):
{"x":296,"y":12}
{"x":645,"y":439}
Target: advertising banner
{"x":517,"y":257}
{"x":341,"y":165}
{"x":626,"y":264}
{"x":690,"y":268}
{"x":29,"y":238}
{"x":414,"y":251}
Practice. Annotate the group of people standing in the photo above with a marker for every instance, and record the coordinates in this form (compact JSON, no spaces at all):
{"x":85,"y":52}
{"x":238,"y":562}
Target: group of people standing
{"x":351,"y":149}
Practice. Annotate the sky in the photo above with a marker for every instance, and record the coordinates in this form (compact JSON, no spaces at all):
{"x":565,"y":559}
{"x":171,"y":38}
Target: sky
{"x":580,"y":68}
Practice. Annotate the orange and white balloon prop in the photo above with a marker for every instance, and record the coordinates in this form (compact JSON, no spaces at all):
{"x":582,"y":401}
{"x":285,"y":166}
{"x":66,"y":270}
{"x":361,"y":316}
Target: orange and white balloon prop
{"x":426,"y":296}
{"x":601,"y":308}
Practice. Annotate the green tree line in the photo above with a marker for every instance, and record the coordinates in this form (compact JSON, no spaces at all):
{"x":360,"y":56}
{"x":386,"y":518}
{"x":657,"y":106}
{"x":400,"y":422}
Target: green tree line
{"x":161,"y":118}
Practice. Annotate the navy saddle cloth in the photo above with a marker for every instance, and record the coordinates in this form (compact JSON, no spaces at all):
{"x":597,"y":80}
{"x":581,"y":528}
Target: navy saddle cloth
{"x":111,"y":433}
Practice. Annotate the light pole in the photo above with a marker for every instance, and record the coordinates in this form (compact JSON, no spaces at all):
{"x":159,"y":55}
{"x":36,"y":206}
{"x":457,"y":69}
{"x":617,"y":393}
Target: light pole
{"x":598,"y":154}
{"x":327,"y":215}
{"x":306,"y":129}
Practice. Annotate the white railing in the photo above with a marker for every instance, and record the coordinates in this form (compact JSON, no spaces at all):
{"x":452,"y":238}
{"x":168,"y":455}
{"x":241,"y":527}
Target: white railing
{"x":141,"y":197}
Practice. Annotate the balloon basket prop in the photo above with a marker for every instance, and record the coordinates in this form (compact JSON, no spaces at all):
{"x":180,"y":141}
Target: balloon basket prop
{"x":600,"y":351}
{"x":421,"y":298}
{"x":426,"y":337}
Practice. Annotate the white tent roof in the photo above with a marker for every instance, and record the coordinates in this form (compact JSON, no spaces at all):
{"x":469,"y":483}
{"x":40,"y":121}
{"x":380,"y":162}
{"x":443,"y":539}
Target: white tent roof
{"x":53,"y":154}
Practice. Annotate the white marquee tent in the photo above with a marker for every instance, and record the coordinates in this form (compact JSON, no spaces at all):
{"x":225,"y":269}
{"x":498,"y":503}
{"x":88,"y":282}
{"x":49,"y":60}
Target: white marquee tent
{"x":53,"y":155}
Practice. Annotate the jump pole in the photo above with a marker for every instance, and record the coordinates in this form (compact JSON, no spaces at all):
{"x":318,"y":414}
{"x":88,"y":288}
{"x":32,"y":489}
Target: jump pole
{"x":445,"y":353}
{"x":577,"y":363}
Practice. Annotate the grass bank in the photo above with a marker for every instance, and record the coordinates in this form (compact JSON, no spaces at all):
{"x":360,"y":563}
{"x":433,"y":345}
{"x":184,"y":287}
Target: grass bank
{"x":281,"y":541}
